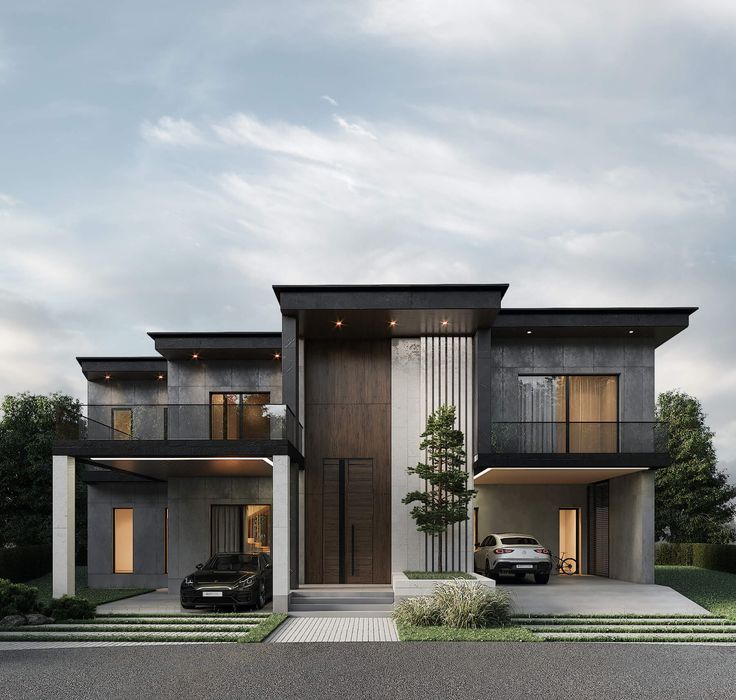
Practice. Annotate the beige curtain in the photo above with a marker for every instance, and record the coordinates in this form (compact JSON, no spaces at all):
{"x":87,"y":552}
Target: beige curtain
{"x":593,"y":414}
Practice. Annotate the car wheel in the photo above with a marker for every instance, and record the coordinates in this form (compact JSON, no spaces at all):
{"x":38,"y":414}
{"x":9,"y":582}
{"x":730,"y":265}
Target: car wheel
{"x":261,"y":601}
{"x":541,"y":578}
{"x":488,"y":573}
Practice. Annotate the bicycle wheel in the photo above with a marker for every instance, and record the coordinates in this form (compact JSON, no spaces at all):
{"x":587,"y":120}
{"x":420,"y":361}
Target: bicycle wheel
{"x":569,"y":566}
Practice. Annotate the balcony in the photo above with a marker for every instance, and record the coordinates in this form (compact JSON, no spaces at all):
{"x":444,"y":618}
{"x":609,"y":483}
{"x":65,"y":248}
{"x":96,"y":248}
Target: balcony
{"x":160,"y":431}
{"x":579,"y":443}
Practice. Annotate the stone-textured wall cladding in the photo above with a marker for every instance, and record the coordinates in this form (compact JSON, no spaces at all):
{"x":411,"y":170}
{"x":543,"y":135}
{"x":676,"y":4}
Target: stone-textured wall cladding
{"x":426,"y":373}
{"x":149,"y":501}
{"x":143,"y":394}
{"x":191,"y":382}
{"x":630,"y":358}
{"x":189,"y":515}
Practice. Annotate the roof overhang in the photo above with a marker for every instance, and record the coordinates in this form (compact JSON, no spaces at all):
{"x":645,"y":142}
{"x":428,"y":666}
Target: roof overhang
{"x":658,"y":324}
{"x":217,"y":346}
{"x":367,"y":311}
{"x":546,"y":475}
{"x":162,"y":469}
{"x":98,"y":368}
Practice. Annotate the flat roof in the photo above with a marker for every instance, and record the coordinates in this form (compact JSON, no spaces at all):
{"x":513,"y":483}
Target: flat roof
{"x":252,"y":345}
{"x":95,"y":368}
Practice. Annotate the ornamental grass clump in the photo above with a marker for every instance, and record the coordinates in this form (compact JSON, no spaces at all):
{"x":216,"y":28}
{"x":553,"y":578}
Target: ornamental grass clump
{"x":459,"y":604}
{"x":421,"y":611}
{"x":467,"y":604}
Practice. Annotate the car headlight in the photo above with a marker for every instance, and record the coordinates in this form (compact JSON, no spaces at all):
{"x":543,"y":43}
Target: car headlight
{"x":247,"y":582}
{"x":188,"y":582}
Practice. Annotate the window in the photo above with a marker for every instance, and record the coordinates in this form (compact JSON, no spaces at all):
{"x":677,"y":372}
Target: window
{"x":239,"y":416}
{"x":122,"y":423}
{"x":569,"y":413}
{"x":240,"y":528}
{"x":122,"y":543}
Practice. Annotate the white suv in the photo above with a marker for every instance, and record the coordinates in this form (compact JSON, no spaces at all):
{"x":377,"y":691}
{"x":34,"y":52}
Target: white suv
{"x":513,"y":553}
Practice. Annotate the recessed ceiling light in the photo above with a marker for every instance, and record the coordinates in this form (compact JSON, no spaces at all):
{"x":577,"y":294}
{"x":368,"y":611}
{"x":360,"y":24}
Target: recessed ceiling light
{"x":392,"y":324}
{"x":195,"y":355}
{"x":277,"y":356}
{"x":107,"y":376}
{"x":338,"y":323}
{"x":631,"y":332}
{"x":528,"y":332}
{"x":160,"y":376}
{"x":445,"y":322}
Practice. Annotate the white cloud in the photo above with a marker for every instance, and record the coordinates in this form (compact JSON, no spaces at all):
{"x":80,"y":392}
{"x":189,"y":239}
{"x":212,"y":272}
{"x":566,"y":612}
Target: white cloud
{"x":329,"y":99}
{"x":717,"y":148}
{"x":172,"y":132}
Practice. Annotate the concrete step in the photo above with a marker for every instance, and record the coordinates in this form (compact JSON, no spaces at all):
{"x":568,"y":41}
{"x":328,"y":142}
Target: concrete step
{"x":349,"y":593}
{"x":339,"y":606}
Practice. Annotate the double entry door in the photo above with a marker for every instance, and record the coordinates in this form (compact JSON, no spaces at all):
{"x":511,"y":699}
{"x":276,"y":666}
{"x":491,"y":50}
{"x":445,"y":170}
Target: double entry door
{"x":347,"y":526}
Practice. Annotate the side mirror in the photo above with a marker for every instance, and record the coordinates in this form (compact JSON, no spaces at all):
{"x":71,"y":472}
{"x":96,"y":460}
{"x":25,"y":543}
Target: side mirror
{"x":199,"y":566}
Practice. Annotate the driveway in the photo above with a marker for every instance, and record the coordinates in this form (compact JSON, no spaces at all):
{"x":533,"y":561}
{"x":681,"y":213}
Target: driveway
{"x":593,"y":594}
{"x":160,"y":601}
{"x":411,"y":671}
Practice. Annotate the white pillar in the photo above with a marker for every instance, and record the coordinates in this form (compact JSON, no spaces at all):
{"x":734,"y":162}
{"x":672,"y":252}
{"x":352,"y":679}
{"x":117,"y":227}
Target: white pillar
{"x":63,"y":491}
{"x":281,"y":556}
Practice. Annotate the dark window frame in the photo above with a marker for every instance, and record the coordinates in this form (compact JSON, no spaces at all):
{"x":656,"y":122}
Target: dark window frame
{"x":240,"y":405}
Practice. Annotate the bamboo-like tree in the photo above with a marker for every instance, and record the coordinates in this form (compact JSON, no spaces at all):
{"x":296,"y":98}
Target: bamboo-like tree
{"x":446,"y":498}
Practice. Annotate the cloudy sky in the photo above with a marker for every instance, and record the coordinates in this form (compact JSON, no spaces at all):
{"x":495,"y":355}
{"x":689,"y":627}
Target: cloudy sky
{"x":162,"y":165}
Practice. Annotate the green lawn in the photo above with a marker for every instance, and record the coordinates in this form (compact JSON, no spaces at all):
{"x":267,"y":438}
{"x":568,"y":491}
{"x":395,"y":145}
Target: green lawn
{"x":714,"y":590}
{"x":436,"y":575}
{"x":96,"y":596}
{"x":407,"y":633}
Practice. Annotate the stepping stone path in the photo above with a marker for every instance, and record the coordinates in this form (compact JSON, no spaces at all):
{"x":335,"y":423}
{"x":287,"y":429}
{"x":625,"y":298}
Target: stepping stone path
{"x":108,"y":630}
{"x":674,"y":629}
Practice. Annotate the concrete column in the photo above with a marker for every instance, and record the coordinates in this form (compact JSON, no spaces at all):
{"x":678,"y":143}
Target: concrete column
{"x":483,"y":371}
{"x":631,"y":527}
{"x":63,"y":491}
{"x":281,"y":532}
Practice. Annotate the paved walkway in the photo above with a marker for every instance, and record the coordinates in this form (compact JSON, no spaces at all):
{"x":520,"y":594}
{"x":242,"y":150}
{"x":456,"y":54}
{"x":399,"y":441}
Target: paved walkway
{"x":598,"y":596}
{"x":336,"y":629}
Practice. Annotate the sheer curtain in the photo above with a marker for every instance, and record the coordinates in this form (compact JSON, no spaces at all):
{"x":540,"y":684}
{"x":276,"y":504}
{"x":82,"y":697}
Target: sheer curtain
{"x":226,"y":531}
{"x":542,"y":412}
{"x":593,"y":414}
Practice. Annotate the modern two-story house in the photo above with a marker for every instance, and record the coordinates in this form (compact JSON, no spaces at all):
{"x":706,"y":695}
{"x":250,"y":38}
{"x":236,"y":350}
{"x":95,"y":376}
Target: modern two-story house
{"x":297,"y":443}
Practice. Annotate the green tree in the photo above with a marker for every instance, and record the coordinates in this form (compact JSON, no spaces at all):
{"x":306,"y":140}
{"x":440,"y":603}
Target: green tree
{"x":27,"y":428}
{"x":446,"y":499}
{"x":694,"y":501}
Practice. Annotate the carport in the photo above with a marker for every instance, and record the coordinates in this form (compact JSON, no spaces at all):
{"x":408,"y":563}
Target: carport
{"x":601,"y":517}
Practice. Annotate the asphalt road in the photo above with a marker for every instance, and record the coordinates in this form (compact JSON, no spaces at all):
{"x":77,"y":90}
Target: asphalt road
{"x":383,"y":670}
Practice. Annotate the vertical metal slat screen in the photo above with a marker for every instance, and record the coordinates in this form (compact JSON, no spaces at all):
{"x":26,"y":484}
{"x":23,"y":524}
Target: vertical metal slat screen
{"x":599,"y":539}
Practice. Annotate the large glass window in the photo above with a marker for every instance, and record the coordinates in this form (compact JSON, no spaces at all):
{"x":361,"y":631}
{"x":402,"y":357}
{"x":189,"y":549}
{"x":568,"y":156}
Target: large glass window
{"x":122,"y":540}
{"x":240,"y":528}
{"x":239,"y":416}
{"x":569,"y":413}
{"x":122,"y":423}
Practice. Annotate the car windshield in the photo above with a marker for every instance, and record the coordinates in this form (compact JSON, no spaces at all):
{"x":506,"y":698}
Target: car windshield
{"x":519,"y":540}
{"x":232,"y":562}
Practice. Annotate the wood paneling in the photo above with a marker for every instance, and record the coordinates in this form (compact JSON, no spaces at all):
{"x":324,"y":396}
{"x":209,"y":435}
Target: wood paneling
{"x":348,"y":416}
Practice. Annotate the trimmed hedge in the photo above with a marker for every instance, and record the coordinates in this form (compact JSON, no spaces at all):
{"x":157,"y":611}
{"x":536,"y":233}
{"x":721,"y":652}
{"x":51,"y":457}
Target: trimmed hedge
{"x":17,"y":598}
{"x":718,"y":557}
{"x":26,"y":562}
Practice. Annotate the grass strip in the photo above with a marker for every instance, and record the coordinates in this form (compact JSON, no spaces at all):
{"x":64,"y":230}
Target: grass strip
{"x":632,"y":630}
{"x":706,"y":622}
{"x":436,"y":575}
{"x":113,"y":638}
{"x":655,"y":639}
{"x":259,"y":633}
{"x":172,"y":621}
{"x":410,"y":633}
{"x":45,"y":629}
{"x":617,"y":616}
{"x":187,"y":616}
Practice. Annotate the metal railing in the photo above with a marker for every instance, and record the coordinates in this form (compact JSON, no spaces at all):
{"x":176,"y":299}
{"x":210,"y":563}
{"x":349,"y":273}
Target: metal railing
{"x":180,"y":422}
{"x":578,"y":437}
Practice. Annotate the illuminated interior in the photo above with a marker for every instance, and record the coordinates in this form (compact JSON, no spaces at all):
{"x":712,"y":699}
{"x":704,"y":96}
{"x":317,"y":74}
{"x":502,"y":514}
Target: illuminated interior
{"x":240,"y":528}
{"x":569,"y":534}
{"x":123,"y":540}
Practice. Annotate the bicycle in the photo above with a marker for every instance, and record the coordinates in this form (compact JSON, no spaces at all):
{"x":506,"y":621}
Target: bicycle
{"x":567,"y":566}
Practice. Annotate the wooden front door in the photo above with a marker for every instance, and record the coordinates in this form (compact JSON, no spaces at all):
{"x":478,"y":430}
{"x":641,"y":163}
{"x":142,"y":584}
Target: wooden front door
{"x":347,"y":542}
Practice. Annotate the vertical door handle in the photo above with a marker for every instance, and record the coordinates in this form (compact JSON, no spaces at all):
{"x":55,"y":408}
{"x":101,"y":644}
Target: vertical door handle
{"x":352,"y":548}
